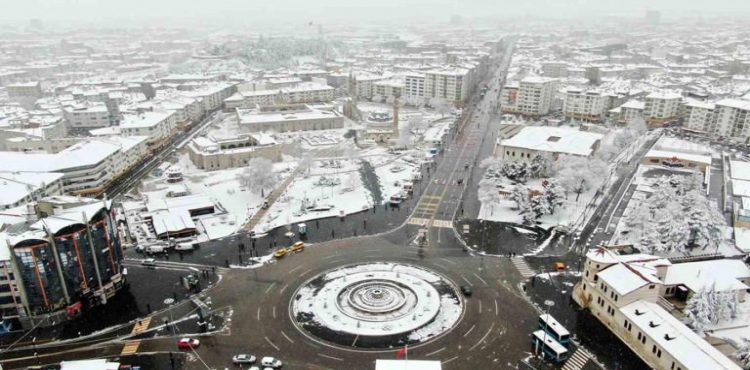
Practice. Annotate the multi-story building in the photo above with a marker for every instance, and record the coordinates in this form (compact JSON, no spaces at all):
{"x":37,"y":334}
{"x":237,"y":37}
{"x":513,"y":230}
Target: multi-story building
{"x":157,"y":126}
{"x":19,"y":188}
{"x":555,"y":69}
{"x":532,"y":96}
{"x":450,"y":84}
{"x":65,"y":258}
{"x":588,"y":106}
{"x":699,"y":116}
{"x":631,"y":110}
{"x":86,"y":115}
{"x":388,"y":88}
{"x":289,"y":118}
{"x":661,"y":107}
{"x":213,"y":95}
{"x":87,"y":166}
{"x":732,"y":119}
{"x":307,"y":92}
{"x":632,"y":296}
{"x":414,"y":85}
{"x":211,"y":154}
{"x":25,"y":93}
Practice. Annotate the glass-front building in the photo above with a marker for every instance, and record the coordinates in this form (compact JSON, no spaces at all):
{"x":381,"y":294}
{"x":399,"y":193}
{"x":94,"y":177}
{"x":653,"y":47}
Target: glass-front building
{"x":67,"y":262}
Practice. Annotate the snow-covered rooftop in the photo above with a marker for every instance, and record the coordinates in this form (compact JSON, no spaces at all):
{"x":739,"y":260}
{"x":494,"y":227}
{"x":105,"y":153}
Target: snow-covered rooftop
{"x":15,"y":186}
{"x":677,"y":339}
{"x":555,"y":140}
{"x":705,"y":159}
{"x":740,"y":170}
{"x":624,"y":279}
{"x":722,"y":275}
{"x":145,"y":119}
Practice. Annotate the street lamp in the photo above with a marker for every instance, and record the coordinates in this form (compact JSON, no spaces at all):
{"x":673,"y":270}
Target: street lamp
{"x":169,"y":302}
{"x":549,"y":304}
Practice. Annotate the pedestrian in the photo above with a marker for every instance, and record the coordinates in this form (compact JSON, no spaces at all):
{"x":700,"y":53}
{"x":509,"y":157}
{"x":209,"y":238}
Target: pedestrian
{"x":213,"y":269}
{"x":333,"y":234}
{"x":181,"y":257}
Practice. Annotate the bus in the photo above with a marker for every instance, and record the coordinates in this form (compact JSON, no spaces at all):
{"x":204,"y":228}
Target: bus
{"x":549,"y":347}
{"x":553,"y":328}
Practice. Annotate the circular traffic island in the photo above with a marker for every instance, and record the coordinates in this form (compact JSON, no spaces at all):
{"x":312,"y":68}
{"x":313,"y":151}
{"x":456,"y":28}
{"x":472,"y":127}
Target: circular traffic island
{"x":376,"y":305}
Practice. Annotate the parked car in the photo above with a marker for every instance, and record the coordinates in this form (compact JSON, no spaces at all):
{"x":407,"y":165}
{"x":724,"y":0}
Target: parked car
{"x":186,"y":246}
{"x":297,"y":247}
{"x":243,"y":359}
{"x":281,"y":252}
{"x":466,"y":290}
{"x":156,"y":248}
{"x":188,"y":343}
{"x":149,"y":262}
{"x":271,"y":362}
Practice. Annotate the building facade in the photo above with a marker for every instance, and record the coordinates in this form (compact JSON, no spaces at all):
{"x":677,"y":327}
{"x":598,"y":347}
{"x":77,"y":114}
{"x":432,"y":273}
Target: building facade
{"x":532,"y":96}
{"x":660,"y":108}
{"x":288,"y":119}
{"x":589,"y":106}
{"x":732,"y":119}
{"x":210,"y":154}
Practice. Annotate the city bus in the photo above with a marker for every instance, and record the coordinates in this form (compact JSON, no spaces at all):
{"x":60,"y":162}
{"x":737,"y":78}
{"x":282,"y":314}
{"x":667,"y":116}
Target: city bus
{"x":554,"y":329}
{"x":549,"y":347}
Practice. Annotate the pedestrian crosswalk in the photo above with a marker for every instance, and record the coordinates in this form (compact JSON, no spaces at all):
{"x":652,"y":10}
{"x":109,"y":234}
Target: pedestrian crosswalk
{"x":579,"y":359}
{"x":522,"y":267}
{"x":130,"y":347}
{"x":141,"y":325}
{"x":442,"y":223}
{"x":419,"y":221}
{"x":427,"y":206}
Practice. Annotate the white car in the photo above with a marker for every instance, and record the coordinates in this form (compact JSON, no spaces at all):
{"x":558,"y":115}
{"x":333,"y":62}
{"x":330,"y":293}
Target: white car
{"x":271,"y":362}
{"x":243,"y":359}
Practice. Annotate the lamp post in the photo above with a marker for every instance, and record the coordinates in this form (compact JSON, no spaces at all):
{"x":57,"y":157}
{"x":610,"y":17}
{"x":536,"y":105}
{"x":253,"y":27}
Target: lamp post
{"x":169,"y":302}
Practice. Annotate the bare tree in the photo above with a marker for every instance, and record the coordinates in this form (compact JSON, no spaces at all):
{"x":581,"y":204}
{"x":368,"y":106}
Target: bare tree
{"x":258,"y":176}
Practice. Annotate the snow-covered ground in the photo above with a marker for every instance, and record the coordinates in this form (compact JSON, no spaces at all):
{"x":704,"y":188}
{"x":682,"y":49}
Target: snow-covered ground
{"x":223,"y":189}
{"x":393,"y":175}
{"x":566,"y":214}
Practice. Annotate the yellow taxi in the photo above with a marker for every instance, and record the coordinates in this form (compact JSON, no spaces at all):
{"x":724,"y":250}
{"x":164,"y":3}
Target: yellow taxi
{"x":297,"y":247}
{"x":281,"y":252}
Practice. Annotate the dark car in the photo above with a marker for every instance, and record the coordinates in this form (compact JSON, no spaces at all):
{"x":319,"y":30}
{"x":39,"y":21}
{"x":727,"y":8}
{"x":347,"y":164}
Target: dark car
{"x":466,"y":290}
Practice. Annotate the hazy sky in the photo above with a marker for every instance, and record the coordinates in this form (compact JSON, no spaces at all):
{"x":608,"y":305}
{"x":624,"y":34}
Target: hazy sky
{"x":322,"y":10}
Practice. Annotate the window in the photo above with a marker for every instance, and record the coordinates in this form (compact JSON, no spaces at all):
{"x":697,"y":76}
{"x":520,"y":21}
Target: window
{"x":653,"y":349}
{"x":639,"y":335}
{"x":652,"y":286}
{"x":658,"y":353}
{"x":626,"y":323}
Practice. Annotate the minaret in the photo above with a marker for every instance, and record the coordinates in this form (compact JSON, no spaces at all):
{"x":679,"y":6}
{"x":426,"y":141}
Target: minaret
{"x":395,"y":116}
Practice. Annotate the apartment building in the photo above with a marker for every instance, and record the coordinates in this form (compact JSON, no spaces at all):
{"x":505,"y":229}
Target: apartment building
{"x":157,"y":126}
{"x":699,"y":116}
{"x":555,"y":69}
{"x":450,"y":84}
{"x":630,"y":295}
{"x":86,"y":115}
{"x":532,"y":96}
{"x":661,"y":107}
{"x":388,"y":88}
{"x":414,"y":85}
{"x":631,"y":110}
{"x":25,"y":92}
{"x":20,"y":188}
{"x":590,"y":106}
{"x":732,"y":119}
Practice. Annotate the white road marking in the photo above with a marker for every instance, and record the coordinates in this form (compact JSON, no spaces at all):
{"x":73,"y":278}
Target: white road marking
{"x":412,"y":258}
{"x":483,"y":338}
{"x":475,"y":274}
{"x":480,"y":309}
{"x":462,"y":277}
{"x":496,"y":307}
{"x":283,"y":289}
{"x":271,"y":343}
{"x":335,"y":261}
{"x":467,"y":333}
{"x":305,"y":273}
{"x":449,"y":261}
{"x":270,"y":287}
{"x":449,"y":360}
{"x":439,"y":265}
{"x":432,"y":353}
{"x":372,"y":256}
{"x":287,"y":338}
{"x":331,"y":256}
{"x":331,"y":357}
{"x":294,"y":269}
{"x":258,"y":313}
{"x":274,"y":309}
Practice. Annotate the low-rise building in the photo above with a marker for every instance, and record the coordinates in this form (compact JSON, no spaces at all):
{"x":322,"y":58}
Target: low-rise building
{"x":218,"y":154}
{"x":554,"y":140}
{"x":288,"y":118}
{"x":629,"y":293}
{"x":307,"y":92}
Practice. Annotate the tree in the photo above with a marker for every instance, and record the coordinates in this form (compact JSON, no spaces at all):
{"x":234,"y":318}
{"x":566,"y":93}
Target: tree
{"x":488,"y":194}
{"x":520,"y":195}
{"x":258,"y":175}
{"x":515,"y":170}
{"x":742,"y":354}
{"x":541,"y":165}
{"x":539,"y":206}
{"x":307,"y":162}
{"x":579,"y":174}
{"x":554,"y":194}
{"x":698,"y":310}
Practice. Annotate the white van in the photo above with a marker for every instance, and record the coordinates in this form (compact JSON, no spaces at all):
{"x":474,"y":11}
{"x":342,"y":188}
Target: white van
{"x":155,"y":248}
{"x":185,"y":246}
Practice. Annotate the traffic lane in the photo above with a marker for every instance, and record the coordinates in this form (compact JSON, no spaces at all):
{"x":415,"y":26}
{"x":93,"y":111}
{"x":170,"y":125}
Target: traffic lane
{"x":278,"y":335}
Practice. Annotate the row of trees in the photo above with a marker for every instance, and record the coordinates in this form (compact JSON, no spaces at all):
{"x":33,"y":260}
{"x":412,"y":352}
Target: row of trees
{"x":677,"y":215}
{"x":709,"y":307}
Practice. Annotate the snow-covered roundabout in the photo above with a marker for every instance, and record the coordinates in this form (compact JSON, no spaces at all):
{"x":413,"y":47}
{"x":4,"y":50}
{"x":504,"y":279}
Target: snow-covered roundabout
{"x":376,"y":305}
